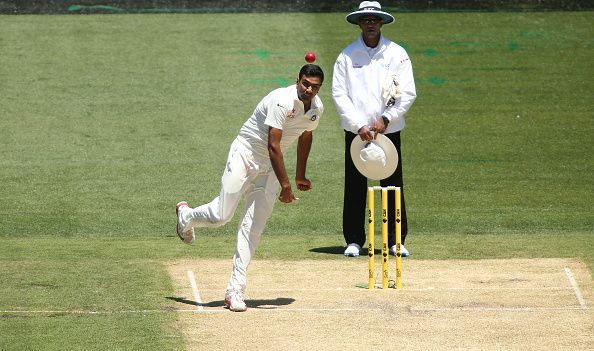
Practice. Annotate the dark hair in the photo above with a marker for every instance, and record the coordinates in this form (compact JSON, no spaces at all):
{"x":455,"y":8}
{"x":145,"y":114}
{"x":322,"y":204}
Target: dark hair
{"x":311,"y":70}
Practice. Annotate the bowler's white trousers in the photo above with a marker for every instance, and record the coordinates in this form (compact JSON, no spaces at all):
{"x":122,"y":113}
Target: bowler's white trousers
{"x":246,"y":174}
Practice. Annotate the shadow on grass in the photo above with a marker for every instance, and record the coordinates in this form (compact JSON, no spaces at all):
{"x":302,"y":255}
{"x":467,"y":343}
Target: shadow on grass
{"x":279,"y":301}
{"x":331,"y":250}
{"x":339,"y":250}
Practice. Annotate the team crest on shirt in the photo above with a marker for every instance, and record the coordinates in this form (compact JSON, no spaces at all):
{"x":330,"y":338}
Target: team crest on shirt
{"x":313,"y":118}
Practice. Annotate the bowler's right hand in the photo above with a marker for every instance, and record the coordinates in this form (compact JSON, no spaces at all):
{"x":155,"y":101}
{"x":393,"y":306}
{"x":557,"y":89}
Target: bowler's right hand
{"x":287,"y":196}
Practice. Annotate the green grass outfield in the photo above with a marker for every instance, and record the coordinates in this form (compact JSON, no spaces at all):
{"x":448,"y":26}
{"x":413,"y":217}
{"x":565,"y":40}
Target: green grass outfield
{"x":106,"y":121}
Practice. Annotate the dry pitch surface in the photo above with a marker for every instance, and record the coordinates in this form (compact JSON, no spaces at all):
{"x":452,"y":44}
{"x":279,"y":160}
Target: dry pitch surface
{"x":520,"y":304}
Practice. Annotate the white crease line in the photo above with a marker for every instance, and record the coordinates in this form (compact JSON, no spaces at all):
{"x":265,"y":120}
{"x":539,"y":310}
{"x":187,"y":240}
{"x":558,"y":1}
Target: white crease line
{"x":296,"y":310}
{"x":403,"y":290}
{"x":213,"y":310}
{"x":494,"y":309}
{"x":576,"y":288}
{"x":195,"y":291}
{"x":544,"y":288}
{"x":75,"y":312}
{"x":313,"y":309}
{"x":281,"y":309}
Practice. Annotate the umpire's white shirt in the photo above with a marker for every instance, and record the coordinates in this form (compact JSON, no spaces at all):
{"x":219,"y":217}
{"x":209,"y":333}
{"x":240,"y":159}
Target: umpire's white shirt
{"x":358,"y":80}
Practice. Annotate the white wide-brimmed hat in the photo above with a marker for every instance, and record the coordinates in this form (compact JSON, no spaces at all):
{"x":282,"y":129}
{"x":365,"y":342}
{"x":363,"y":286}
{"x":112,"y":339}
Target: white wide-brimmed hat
{"x":375,"y":159}
{"x":369,"y":8}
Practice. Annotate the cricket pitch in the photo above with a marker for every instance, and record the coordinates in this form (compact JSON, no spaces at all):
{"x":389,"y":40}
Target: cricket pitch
{"x":511,"y":304}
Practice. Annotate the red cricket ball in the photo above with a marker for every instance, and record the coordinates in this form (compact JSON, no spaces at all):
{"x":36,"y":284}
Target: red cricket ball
{"x":310,"y":57}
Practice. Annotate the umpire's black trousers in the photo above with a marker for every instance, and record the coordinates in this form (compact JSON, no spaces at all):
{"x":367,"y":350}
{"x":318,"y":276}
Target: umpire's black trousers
{"x":355,"y":196}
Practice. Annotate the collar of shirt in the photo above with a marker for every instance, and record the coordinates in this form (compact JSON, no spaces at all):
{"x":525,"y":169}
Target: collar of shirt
{"x":373,"y":51}
{"x":299,"y":104}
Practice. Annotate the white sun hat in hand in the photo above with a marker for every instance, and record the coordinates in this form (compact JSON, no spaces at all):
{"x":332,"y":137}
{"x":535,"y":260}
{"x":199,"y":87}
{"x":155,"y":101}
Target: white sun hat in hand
{"x":375,"y":159}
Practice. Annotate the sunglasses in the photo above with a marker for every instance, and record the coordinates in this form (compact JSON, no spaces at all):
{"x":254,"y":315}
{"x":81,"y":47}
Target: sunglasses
{"x":370,"y":20}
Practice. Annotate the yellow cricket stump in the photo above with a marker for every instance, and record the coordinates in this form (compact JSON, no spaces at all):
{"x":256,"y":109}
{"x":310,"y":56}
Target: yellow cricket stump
{"x":385,"y":249}
{"x":397,"y":206}
{"x":371,"y":247}
{"x":385,"y":238}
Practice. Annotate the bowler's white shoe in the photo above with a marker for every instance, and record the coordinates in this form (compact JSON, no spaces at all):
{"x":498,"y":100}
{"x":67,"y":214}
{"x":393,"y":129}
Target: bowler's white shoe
{"x":234,"y":300}
{"x":352,"y":250}
{"x":186,"y":235}
{"x":403,"y":251}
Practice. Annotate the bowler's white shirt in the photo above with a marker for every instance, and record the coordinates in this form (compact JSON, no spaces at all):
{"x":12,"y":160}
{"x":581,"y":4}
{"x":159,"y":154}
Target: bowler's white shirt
{"x":280,"y":109}
{"x":358,"y":81}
